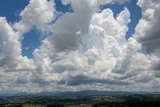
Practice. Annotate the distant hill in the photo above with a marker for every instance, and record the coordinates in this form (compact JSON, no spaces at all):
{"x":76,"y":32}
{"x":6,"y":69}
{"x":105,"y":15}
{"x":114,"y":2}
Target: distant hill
{"x":78,"y":93}
{"x":90,"y":93}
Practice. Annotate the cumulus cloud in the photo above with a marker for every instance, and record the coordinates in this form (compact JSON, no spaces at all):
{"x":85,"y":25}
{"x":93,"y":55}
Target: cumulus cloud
{"x":87,"y":49}
{"x":10,"y":48}
{"x":148,"y":32}
{"x":38,"y":13}
{"x":75,"y":24}
{"x":147,"y":29}
{"x":13,"y":66}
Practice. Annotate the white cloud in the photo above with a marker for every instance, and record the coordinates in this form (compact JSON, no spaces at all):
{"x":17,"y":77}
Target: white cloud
{"x":38,"y":13}
{"x":97,"y":54}
{"x":87,"y":50}
{"x":13,"y":66}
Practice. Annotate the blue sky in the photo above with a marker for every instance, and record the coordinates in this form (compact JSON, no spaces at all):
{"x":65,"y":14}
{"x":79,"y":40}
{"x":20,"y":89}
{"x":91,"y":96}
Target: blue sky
{"x":31,"y":41}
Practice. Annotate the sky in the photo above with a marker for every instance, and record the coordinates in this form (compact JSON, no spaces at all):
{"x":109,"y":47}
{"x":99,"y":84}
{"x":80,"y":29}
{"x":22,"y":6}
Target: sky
{"x":73,"y":45}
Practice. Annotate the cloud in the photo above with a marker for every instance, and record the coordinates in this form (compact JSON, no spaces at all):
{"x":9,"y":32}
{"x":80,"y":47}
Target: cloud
{"x":13,"y":66}
{"x":11,"y":48}
{"x":38,"y":13}
{"x":87,"y":49}
{"x":101,"y":56}
{"x":148,"y":32}
{"x":75,"y":24}
{"x":147,"y":29}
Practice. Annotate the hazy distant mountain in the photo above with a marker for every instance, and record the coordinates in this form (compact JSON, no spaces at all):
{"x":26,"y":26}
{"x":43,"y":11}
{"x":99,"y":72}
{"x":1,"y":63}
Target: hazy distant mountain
{"x":77,"y":93}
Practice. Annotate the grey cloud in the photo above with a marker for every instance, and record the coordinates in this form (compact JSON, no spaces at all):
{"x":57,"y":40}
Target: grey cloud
{"x":82,"y":79}
{"x":151,"y":40}
{"x":68,"y":30}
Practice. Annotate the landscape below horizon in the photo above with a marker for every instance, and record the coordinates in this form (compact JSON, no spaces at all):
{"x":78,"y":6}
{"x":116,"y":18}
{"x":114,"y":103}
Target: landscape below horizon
{"x":82,"y":99}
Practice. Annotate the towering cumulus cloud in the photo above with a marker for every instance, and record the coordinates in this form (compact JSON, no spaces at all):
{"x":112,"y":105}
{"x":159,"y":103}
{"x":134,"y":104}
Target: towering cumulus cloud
{"x":86,"y":49}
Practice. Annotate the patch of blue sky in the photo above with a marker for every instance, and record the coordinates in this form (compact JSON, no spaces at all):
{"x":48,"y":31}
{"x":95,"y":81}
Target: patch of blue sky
{"x":11,"y":9}
{"x":62,"y":8}
{"x":30,"y":42}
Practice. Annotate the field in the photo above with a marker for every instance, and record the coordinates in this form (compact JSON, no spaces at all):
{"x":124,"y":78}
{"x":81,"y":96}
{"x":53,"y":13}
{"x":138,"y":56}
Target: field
{"x":82,"y":101}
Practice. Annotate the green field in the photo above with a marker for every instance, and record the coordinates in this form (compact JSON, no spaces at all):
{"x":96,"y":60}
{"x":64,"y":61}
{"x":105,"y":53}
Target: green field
{"x":91,"y":101}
